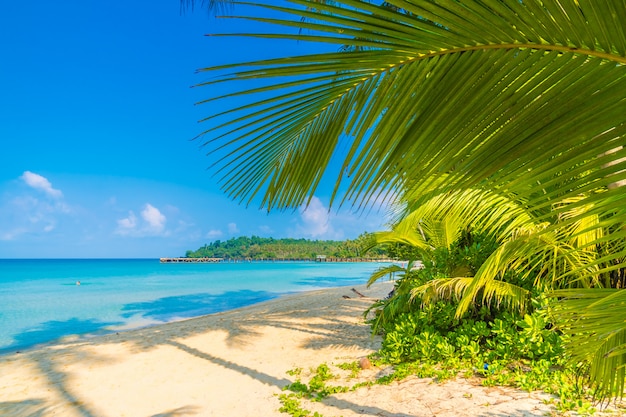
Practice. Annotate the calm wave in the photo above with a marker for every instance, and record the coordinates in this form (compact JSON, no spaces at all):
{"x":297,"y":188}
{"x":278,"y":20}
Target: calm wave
{"x":41,"y":302}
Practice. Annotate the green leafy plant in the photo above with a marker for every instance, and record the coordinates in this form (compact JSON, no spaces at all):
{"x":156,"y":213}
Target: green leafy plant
{"x":291,"y":405}
{"x":353,"y":367}
{"x":510,"y":350}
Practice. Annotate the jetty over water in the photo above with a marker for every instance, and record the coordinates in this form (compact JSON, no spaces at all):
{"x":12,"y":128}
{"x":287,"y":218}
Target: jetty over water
{"x":237,"y":260}
{"x":190,"y":260}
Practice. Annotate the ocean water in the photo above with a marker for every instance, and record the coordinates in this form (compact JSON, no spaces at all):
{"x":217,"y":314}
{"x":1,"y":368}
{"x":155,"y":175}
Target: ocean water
{"x":40,"y":301}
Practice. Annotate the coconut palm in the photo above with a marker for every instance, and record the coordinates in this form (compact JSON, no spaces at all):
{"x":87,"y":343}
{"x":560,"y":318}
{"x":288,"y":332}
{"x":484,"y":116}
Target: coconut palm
{"x":522,"y":247}
{"x":431,"y":231}
{"x":399,"y":300}
{"x":541,"y":261}
{"x":525,"y":98}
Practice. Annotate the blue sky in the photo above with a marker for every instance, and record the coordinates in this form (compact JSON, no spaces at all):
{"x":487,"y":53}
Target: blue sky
{"x":96,"y":121}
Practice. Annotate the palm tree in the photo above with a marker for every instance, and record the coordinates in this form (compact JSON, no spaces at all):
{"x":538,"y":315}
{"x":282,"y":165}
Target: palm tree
{"x":524,"y":98}
{"x":521,"y":246}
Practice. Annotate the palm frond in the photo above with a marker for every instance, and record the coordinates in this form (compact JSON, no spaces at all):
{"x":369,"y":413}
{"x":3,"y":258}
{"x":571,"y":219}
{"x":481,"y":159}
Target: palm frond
{"x":594,"y":321}
{"x":387,"y":271}
{"x":475,"y":91}
{"x":451,"y":289}
{"x":405,"y":236}
{"x":212,"y":6}
{"x":477,"y":209}
{"x":538,"y":256}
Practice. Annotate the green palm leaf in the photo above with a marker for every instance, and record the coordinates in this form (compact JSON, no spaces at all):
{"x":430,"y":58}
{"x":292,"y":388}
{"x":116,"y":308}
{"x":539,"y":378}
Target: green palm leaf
{"x":387,"y":271}
{"x":456,"y":288}
{"x":479,"y":92}
{"x":594,"y":319}
{"x":548,"y":259}
{"x":441,"y":220}
{"x":486,"y":211}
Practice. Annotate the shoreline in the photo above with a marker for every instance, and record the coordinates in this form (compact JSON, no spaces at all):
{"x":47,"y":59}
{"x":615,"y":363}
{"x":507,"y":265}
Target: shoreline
{"x":165,"y":260}
{"x":130,"y":327}
{"x":233,"y":363}
{"x":116,"y":295}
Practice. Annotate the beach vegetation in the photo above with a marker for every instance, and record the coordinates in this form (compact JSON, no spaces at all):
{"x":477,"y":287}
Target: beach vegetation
{"x":267,"y":248}
{"x":354,"y":368}
{"x":317,"y":387}
{"x":493,"y":348}
{"x":315,"y":390}
{"x":510,"y":320}
{"x":513,"y":267}
{"x":522,"y":101}
{"x":292,"y":405}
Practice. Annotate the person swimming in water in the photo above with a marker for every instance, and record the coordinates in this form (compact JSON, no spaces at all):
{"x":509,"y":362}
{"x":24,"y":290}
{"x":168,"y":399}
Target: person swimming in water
{"x":77,"y":282}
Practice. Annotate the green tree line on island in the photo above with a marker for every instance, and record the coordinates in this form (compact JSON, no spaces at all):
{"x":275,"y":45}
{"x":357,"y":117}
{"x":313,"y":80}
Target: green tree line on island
{"x":267,"y":248}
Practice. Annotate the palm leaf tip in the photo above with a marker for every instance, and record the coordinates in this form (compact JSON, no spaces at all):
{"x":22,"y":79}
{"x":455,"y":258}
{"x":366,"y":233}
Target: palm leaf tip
{"x":593,"y":319}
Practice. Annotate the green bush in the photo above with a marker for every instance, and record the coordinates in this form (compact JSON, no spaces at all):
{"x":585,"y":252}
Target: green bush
{"x":433,"y":334}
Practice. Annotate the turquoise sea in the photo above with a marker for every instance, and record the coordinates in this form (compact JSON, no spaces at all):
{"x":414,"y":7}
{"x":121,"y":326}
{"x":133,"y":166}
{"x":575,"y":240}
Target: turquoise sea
{"x":40,"y":301}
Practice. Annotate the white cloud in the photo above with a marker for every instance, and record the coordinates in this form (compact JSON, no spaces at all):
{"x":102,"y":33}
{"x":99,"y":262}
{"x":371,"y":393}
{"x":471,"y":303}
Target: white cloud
{"x":13,"y":234}
{"x":155,"y":219}
{"x":151,"y":223}
{"x":29,"y":214}
{"x":182,"y":225}
{"x":266,"y":229}
{"x":127,"y":225}
{"x":212,"y":234}
{"x":38,"y":182}
{"x":315,"y":220}
{"x":217,"y":233}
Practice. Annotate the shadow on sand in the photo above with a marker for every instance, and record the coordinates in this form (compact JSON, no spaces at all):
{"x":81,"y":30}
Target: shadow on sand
{"x":195,"y":305}
{"x":337,"y":326}
{"x":26,"y":408}
{"x":163,"y":309}
{"x":52,"y":331}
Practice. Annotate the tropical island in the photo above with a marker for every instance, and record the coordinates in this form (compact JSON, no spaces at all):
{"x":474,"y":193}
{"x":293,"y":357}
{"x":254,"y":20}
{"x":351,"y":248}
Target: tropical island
{"x":267,"y":249}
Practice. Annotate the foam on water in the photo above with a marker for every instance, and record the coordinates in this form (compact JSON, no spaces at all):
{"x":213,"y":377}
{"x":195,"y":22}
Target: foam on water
{"x":40,"y":301}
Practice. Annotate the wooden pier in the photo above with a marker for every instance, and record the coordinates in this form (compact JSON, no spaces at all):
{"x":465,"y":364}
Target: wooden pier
{"x":190,"y":260}
{"x":238,"y":260}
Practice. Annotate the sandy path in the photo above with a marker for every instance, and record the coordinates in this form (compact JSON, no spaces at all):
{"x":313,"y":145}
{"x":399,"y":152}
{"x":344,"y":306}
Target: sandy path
{"x":233,"y":364}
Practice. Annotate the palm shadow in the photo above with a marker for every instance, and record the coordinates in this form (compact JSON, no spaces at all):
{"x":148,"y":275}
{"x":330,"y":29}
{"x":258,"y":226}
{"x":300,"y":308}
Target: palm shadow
{"x":178,"y":412}
{"x":195,"y":305}
{"x":25,"y":408}
{"x":49,"y":333}
{"x":341,"y":404}
{"x":290,"y":314}
{"x":52,"y":331}
{"x":514,"y":413}
{"x":343,"y":328}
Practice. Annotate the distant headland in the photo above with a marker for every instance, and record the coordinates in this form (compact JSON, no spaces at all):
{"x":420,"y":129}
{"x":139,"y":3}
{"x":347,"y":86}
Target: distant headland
{"x":256,"y":248}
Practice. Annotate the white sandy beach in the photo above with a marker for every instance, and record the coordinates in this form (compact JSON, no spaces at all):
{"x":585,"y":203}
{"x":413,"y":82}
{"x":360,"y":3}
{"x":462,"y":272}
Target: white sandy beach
{"x":235,"y":364}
